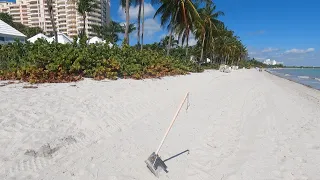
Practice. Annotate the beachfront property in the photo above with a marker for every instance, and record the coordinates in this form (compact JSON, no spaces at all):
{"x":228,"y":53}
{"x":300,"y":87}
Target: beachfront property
{"x":271,"y":62}
{"x":8,"y":34}
{"x":34,"y":13}
{"x":18,"y":10}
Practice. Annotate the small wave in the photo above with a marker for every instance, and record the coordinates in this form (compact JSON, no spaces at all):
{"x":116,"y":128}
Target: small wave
{"x":303,"y":77}
{"x":318,"y":79}
{"x":287,"y":75}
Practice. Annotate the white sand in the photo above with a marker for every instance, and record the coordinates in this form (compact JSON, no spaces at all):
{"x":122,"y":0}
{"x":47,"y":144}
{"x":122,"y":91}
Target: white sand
{"x":243,"y":125}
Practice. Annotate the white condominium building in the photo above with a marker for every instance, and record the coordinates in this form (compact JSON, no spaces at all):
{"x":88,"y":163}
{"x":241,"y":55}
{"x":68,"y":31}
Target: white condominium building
{"x":34,"y":13}
{"x":17,"y":10}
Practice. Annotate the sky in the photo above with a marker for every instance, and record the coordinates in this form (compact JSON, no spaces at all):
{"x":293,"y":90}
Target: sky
{"x":282,"y":30}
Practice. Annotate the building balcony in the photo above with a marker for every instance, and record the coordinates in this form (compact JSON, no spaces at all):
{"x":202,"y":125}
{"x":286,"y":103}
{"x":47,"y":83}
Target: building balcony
{"x":62,"y":16}
{"x":15,"y":9}
{"x":35,"y":19}
{"x":64,"y":31}
{"x":33,"y":1}
{"x":33,"y":11}
{"x":17,"y":21}
{"x":71,"y":6}
{"x":32,"y":16}
{"x":72,"y":26}
{"x":72,"y":12}
{"x":33,"y":24}
{"x":61,"y":2}
{"x":94,"y":13}
{"x":61,"y":6}
{"x":72,"y":33}
{"x":15,"y":13}
{"x":62,"y":22}
{"x":33,"y":6}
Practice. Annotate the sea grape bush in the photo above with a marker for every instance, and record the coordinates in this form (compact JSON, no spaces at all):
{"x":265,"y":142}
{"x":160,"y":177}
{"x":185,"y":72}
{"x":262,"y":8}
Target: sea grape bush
{"x":42,"y":62}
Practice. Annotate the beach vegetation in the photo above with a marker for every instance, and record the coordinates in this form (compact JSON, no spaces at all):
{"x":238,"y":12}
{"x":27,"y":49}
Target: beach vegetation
{"x":172,"y":55}
{"x":41,"y":62}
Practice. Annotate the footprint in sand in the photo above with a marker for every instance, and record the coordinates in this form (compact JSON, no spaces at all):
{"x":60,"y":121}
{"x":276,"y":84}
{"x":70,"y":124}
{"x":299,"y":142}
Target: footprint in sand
{"x":112,"y":178}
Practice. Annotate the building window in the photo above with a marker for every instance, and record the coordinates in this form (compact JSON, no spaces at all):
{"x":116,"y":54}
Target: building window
{"x":1,"y":38}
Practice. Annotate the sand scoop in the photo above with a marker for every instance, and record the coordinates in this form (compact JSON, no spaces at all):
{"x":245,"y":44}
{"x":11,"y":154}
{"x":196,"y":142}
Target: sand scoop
{"x":154,"y":162}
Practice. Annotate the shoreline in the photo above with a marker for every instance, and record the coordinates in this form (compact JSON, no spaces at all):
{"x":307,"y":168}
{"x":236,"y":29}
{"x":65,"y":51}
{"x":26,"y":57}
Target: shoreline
{"x":106,"y":130}
{"x":301,"y":83}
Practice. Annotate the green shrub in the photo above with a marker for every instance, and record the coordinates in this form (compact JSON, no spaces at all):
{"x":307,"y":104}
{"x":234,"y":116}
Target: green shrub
{"x":44,"y":62}
{"x":210,"y":66}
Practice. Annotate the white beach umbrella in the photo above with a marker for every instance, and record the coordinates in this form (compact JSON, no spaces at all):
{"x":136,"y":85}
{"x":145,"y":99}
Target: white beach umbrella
{"x":95,"y":40}
{"x":36,"y":37}
{"x":62,"y":38}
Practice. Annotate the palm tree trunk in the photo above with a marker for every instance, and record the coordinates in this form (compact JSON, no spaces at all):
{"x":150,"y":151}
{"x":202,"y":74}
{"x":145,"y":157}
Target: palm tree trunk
{"x":169,"y":44}
{"x":142,"y":24}
{"x":227,"y":60}
{"x":187,"y":46}
{"x":54,"y":28}
{"x":84,"y":25}
{"x":126,"y":35}
{"x":202,"y":46}
{"x":50,"y":10}
{"x":139,"y":23}
{"x":213,"y":59}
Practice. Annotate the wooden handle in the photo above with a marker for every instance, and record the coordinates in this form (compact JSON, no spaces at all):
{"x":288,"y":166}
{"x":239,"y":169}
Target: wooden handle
{"x":174,"y":118}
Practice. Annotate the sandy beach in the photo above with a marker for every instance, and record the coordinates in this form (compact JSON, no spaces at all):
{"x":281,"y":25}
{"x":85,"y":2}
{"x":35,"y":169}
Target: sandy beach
{"x":240,"y":125}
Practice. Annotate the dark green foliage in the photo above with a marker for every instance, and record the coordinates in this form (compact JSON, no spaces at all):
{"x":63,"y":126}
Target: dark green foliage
{"x":251,"y":64}
{"x":254,"y":63}
{"x":44,"y":62}
{"x":5,"y":17}
{"x":110,"y":32}
{"x":210,"y":66}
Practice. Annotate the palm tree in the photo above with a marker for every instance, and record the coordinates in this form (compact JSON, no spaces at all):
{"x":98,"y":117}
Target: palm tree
{"x":126,"y":4}
{"x":84,"y":7}
{"x":165,"y":41}
{"x":109,"y":32}
{"x":142,"y":2}
{"x":53,"y":23}
{"x":139,"y":20}
{"x":206,"y":29}
{"x":131,"y":28}
{"x":177,"y":14}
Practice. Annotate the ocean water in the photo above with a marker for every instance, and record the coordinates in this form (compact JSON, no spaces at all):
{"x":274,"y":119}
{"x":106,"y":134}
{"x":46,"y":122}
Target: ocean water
{"x":306,"y":76}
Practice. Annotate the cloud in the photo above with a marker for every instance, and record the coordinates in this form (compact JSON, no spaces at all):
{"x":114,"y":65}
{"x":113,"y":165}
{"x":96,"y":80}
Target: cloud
{"x":192,"y":40}
{"x":151,"y":26}
{"x":307,"y":56}
{"x":163,"y":35}
{"x":260,"y":58}
{"x":270,"y":49}
{"x":134,"y":11}
{"x":299,"y":51}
